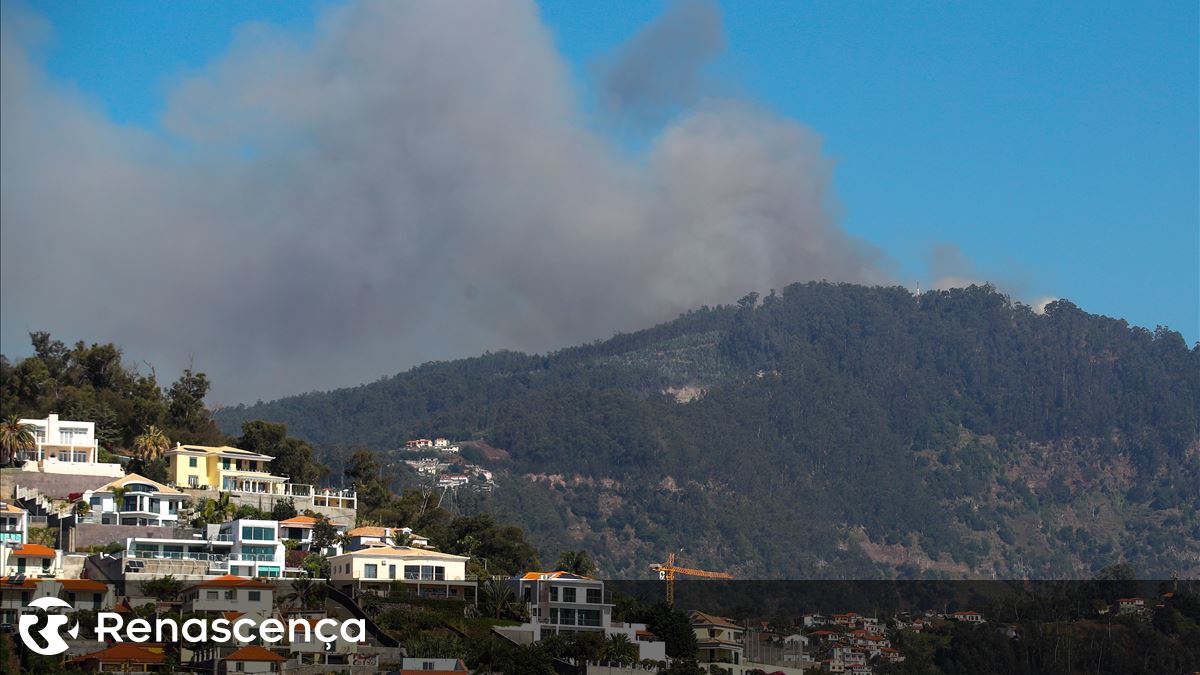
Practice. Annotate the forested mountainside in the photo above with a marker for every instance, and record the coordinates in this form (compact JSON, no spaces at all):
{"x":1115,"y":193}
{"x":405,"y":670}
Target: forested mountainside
{"x":830,"y":430}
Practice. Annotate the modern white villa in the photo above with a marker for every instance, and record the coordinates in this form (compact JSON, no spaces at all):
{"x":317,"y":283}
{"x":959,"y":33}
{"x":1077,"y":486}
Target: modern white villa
{"x":64,"y":446}
{"x":246,"y":548}
{"x":561,"y":602}
{"x":142,"y":502}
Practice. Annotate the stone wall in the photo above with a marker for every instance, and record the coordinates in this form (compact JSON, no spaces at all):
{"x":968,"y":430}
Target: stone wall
{"x":266,"y":502}
{"x":94,"y":534}
{"x":52,"y":485}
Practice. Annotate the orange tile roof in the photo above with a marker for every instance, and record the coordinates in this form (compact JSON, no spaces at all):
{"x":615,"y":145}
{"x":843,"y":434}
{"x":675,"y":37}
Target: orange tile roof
{"x":231,"y":616}
{"x":232,"y":581}
{"x":82,"y":585}
{"x":299,"y":520}
{"x":254,"y":653}
{"x":34,"y":551}
{"x":123,"y":653}
{"x":7,"y":582}
{"x":557,"y":574}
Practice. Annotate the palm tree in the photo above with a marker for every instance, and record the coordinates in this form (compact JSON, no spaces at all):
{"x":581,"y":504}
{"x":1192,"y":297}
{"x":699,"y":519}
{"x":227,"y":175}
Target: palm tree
{"x":497,"y":600}
{"x":15,"y":437}
{"x":398,"y":537}
{"x":576,"y":562}
{"x":217,"y":510}
{"x":307,"y":593}
{"x":118,"y":494}
{"x":618,"y":649}
{"x":151,"y":444}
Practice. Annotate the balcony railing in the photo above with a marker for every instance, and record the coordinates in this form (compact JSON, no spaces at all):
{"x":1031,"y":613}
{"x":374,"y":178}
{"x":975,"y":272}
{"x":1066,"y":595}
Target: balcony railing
{"x":252,"y":557}
{"x":176,"y":555}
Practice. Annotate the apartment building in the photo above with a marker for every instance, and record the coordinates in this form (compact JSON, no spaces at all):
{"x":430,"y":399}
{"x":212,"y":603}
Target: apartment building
{"x":244,"y":547}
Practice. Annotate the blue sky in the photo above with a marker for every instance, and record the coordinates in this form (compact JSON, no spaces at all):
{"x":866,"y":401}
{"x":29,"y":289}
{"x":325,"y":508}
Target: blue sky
{"x":1056,"y":144}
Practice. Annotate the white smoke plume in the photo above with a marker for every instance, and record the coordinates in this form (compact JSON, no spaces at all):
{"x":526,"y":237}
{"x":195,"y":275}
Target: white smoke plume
{"x":413,"y":181}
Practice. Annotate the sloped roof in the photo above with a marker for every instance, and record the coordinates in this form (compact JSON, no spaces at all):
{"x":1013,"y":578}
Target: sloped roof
{"x":701,"y":618}
{"x":135,"y":478}
{"x":232,"y":581}
{"x":34,"y":551}
{"x":299,"y":521}
{"x":221,"y":450}
{"x":254,"y":653}
{"x":82,"y":584}
{"x":11,"y":508}
{"x":403,"y":552}
{"x":124,"y":652}
{"x":557,"y":574}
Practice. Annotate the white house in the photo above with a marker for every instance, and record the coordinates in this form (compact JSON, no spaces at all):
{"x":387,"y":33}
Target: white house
{"x":563,"y":602}
{"x":231,"y":593}
{"x":65,"y":446}
{"x":362,"y":537}
{"x":300,"y":529}
{"x":14,"y":524}
{"x":426,"y":573}
{"x":257,"y":550}
{"x":31,"y":560}
{"x":143,"y":502}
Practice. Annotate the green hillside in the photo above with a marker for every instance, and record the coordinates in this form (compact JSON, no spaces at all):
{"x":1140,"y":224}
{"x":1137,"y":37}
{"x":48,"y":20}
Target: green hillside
{"x":826,"y":431}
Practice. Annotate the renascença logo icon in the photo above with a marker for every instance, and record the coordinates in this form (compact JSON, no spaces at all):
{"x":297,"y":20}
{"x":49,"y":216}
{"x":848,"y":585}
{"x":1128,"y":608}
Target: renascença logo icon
{"x":52,"y":633}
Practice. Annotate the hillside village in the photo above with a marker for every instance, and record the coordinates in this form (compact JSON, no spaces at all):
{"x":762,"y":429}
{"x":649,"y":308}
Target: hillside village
{"x":227,"y":537}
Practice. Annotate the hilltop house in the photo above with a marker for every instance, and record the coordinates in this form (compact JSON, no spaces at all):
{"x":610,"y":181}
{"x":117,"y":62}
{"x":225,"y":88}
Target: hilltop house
{"x":144,"y":502}
{"x":300,"y":529}
{"x":718,"y":640}
{"x":244,"y":547}
{"x":223,"y":468}
{"x":561,"y":602}
{"x":65,"y":446}
{"x":426,"y":573}
{"x":363,"y":537}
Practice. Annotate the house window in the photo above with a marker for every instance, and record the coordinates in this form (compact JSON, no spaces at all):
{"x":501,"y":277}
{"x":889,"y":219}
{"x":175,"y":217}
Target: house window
{"x":391,"y":571}
{"x":225,"y":463}
{"x":371,"y":571}
{"x":554,"y":594}
{"x":412,"y":572}
{"x":593,"y":596}
{"x":568,"y":595}
{"x":589,"y":617}
{"x":258,"y":533}
{"x":191,"y":462}
{"x":193,"y":481}
{"x":255,"y":596}
{"x":553,"y":615}
{"x":566,"y":617}
{"x":211,"y":595}
{"x":230,"y":595}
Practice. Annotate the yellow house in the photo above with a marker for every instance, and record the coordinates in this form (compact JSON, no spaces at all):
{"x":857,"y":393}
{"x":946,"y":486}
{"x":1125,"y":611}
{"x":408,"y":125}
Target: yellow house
{"x":223,"y":468}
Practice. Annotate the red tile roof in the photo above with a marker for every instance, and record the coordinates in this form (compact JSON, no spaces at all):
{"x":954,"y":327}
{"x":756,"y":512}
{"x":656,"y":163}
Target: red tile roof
{"x":232,"y":581}
{"x":254,"y":653}
{"x":34,"y":551}
{"x":123,"y":653}
{"x":82,"y":585}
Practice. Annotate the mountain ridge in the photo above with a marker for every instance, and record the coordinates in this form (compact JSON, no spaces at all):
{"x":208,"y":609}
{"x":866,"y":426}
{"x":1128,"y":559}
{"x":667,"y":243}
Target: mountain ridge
{"x":955,"y":433}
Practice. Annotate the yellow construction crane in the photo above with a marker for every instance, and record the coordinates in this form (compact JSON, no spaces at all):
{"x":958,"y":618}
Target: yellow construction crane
{"x":668,"y":570}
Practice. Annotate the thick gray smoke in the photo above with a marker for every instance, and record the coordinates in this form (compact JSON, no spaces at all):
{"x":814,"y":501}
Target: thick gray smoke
{"x":414,"y":181}
{"x":659,"y":70}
